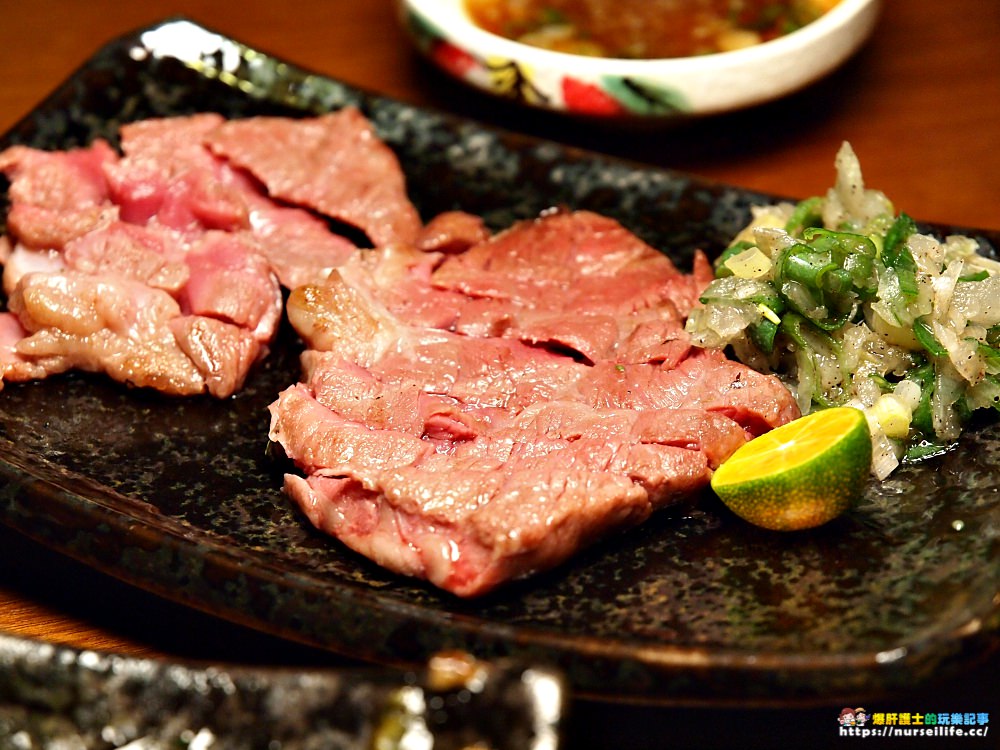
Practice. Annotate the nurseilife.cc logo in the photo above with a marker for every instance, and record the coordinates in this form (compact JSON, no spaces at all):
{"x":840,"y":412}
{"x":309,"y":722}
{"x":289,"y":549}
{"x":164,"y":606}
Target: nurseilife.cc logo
{"x":858,"y":722}
{"x":853,"y":717}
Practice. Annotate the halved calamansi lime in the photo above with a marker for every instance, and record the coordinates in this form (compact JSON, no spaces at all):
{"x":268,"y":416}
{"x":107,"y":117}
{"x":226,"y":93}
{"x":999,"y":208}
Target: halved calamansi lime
{"x":801,"y":474}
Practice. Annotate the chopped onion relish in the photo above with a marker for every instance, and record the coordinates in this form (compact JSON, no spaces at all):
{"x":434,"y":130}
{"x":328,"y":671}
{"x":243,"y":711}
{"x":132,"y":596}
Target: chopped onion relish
{"x":850,"y":304}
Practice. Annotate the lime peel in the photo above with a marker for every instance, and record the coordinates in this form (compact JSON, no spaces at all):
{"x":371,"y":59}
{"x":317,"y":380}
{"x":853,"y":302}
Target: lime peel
{"x":799,"y":475}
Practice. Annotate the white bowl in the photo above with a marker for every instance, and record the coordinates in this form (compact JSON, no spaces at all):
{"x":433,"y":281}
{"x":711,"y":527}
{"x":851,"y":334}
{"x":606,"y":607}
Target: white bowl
{"x":612,"y":87}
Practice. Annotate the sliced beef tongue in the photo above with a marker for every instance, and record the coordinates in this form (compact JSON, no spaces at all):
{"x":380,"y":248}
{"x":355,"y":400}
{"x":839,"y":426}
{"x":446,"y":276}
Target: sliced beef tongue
{"x":56,"y":196}
{"x":299,"y":246}
{"x":576,"y":260}
{"x":705,"y":379}
{"x":334,"y":164}
{"x":169,"y":177}
{"x":452,"y":232}
{"x":233,"y":283}
{"x":580,"y":281}
{"x":521,"y":494}
{"x":196,"y":219}
{"x":166,"y":290}
{"x":14,"y":365}
{"x":151,"y":255}
{"x":576,"y":281}
{"x":471,"y":461}
{"x":132,"y":332}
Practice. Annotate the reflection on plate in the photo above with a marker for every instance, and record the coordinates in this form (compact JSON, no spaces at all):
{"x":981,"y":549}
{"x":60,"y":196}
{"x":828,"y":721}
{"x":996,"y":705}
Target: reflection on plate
{"x":181,"y":498}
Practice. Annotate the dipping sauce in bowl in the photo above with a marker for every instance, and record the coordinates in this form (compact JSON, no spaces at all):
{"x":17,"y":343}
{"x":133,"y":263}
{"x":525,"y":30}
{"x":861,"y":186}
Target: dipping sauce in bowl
{"x":605,"y":59}
{"x":644,"y":29}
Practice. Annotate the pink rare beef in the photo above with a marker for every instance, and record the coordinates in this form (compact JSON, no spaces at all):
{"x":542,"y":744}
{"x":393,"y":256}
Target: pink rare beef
{"x":474,"y":457}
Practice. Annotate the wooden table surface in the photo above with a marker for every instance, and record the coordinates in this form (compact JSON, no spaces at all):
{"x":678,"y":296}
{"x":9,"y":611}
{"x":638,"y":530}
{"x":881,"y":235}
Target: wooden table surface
{"x":920,"y":104}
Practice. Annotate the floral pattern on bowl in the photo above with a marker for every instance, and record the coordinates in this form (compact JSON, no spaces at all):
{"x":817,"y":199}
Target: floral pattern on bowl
{"x":605,"y":95}
{"x":632,"y":88}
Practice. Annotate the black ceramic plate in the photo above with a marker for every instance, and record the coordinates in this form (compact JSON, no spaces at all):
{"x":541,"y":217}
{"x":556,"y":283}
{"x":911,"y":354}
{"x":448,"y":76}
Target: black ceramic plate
{"x":60,"y":697}
{"x":181,"y":498}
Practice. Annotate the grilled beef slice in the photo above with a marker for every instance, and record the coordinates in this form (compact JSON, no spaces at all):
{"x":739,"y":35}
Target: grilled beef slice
{"x":162,"y":265}
{"x":473,"y":457}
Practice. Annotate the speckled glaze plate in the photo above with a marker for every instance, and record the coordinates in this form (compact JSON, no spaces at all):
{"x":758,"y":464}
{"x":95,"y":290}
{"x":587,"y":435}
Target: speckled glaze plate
{"x":182,"y":498}
{"x":52,"y":696}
